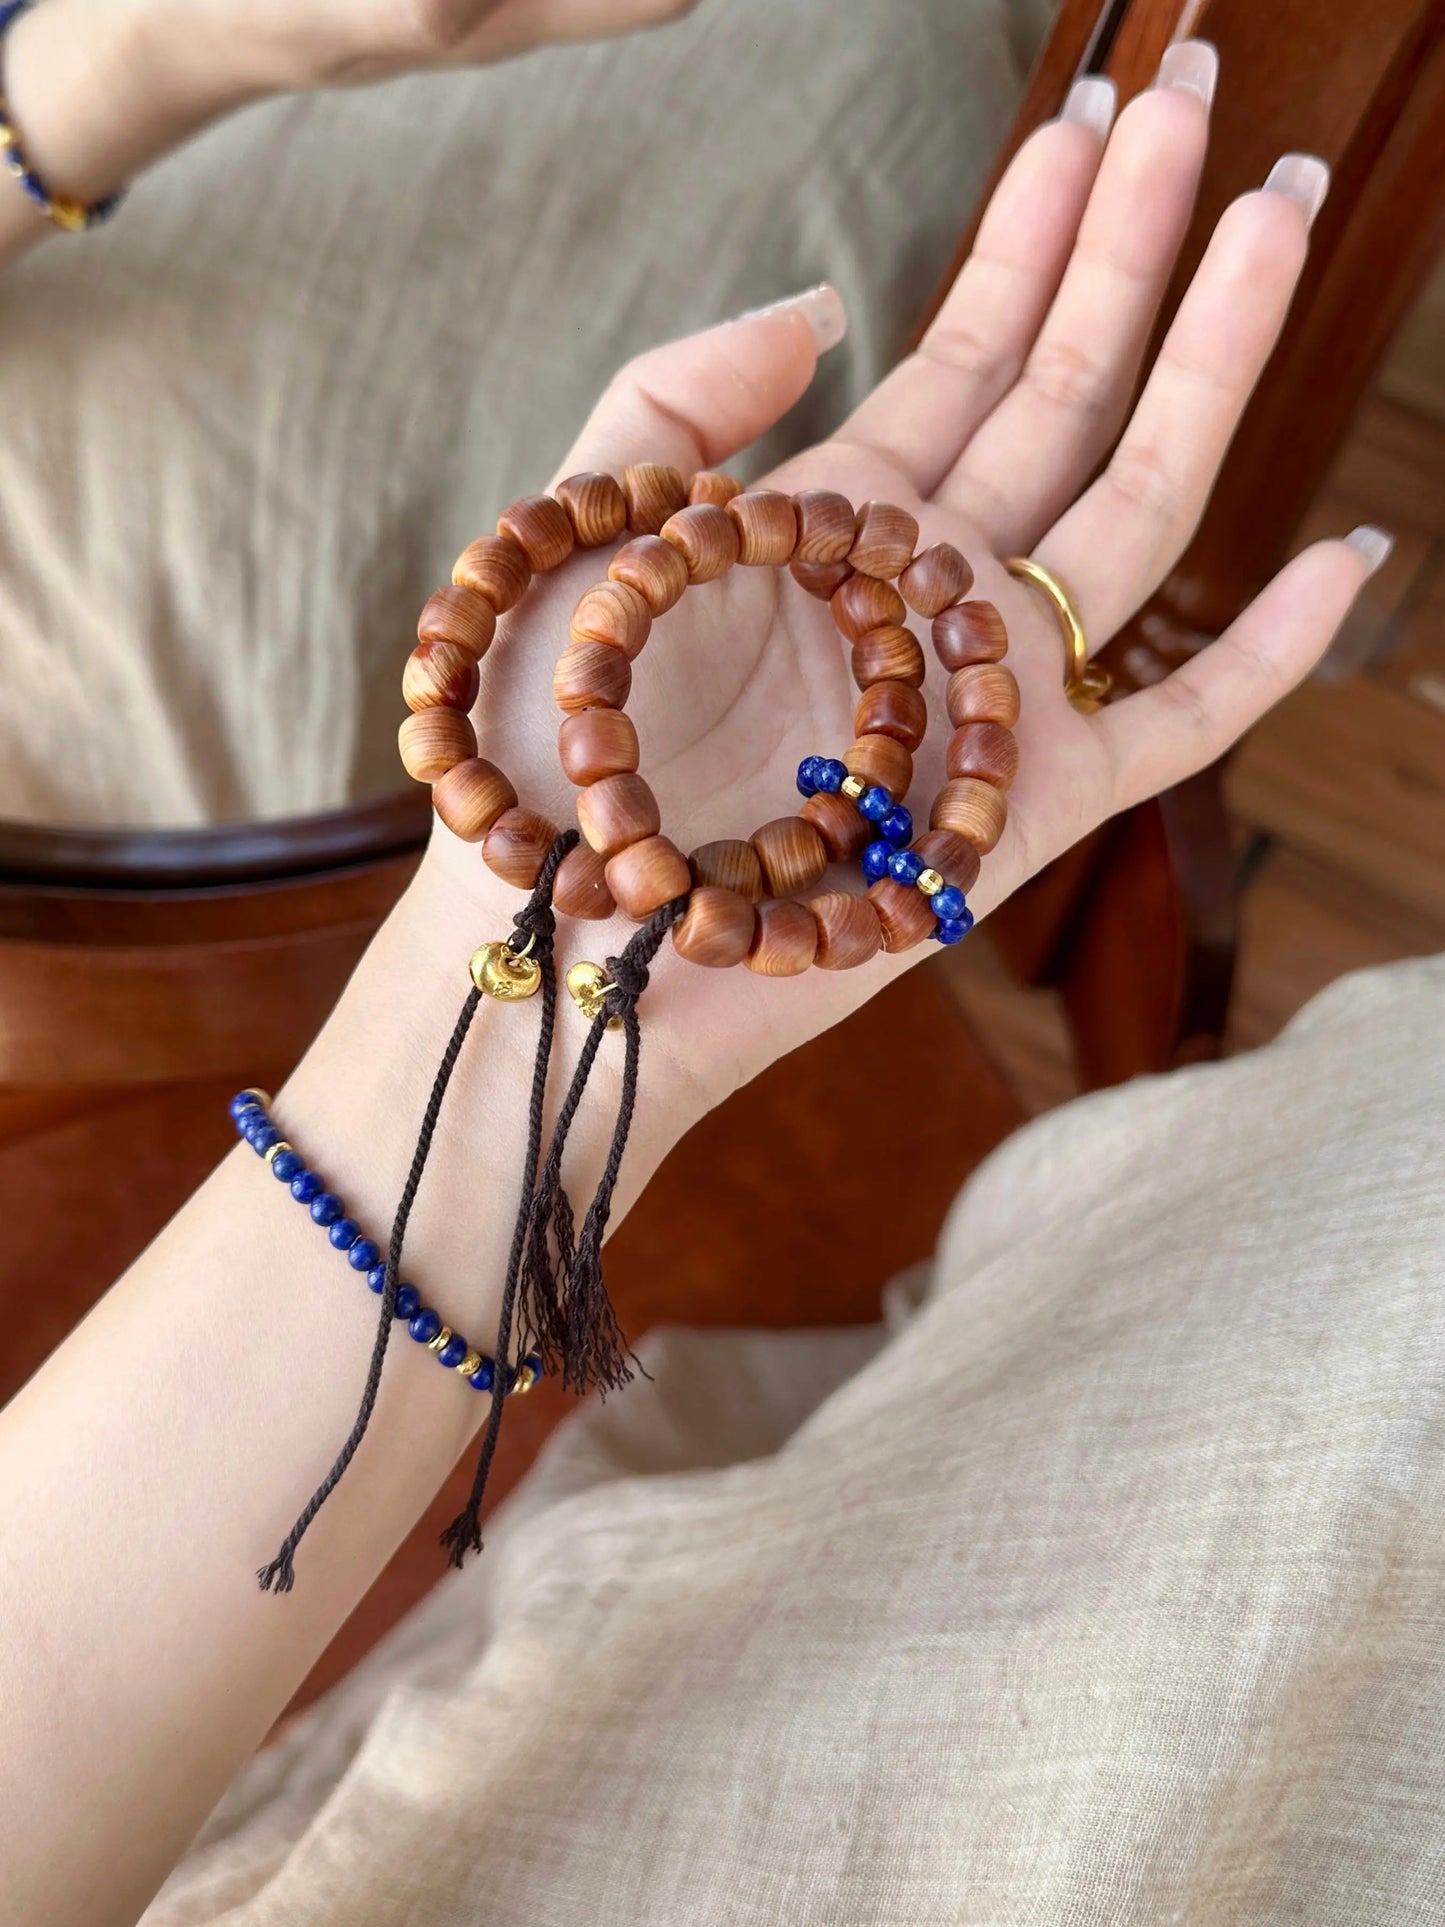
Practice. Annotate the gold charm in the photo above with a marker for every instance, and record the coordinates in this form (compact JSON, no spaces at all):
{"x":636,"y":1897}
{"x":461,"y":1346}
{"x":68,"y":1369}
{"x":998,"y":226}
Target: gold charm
{"x":589,"y":984}
{"x":499,"y":971}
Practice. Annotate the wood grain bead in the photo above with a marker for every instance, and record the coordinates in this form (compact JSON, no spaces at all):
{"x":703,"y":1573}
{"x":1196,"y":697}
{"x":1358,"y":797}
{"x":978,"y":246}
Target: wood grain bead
{"x":935,"y":578}
{"x":785,"y":939}
{"x":986,"y":750}
{"x":581,"y":887}
{"x":614,"y":613}
{"x":792,"y":855}
{"x":541,"y":529}
{"x":905,"y":914}
{"x":849,"y":931}
{"x":517,"y":846}
{"x":655,"y":569}
{"x":826,"y":526}
{"x":888,"y":655}
{"x":968,"y":632}
{"x":713,"y":485}
{"x":432,"y":741}
{"x":595,"y":743}
{"x":864,"y":603}
{"x":821,"y":579}
{"x":616,"y":812}
{"x":883,"y":540}
{"x":984,"y":692}
{"x":717,"y":930}
{"x":707,"y":538}
{"x":893,"y":709}
{"x":591,"y":675}
{"x":729,"y":864}
{"x":845,"y":832}
{"x":596,"y":508}
{"x":955,"y":859}
{"x":767,"y":526}
{"x":471,"y":796}
{"x":646,"y":875}
{"x":881,"y":759}
{"x":440,"y":672}
{"x":972,"y":809}
{"x":654,"y":491}
{"x":461,"y":616}
{"x":495,"y":567}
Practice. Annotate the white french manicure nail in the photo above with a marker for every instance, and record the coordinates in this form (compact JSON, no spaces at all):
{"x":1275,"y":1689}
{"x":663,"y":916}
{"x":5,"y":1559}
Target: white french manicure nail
{"x":1091,"y":102}
{"x":1305,"y":178}
{"x":1373,"y":544}
{"x":821,"y":307}
{"x":1193,"y":64}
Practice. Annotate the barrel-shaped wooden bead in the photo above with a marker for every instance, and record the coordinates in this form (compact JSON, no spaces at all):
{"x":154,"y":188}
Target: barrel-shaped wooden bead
{"x":954,"y":858}
{"x":706,"y":536}
{"x":657,"y":570}
{"x":888,"y":655}
{"x":717,"y":929}
{"x":440,"y":673}
{"x":904,"y":912}
{"x":713,"y":485}
{"x":596,"y":508}
{"x":595,"y":743}
{"x":884,"y":539}
{"x":654,"y":491}
{"x":471,"y":796}
{"x":843,"y":827}
{"x":785,"y":939}
{"x":614,"y":613}
{"x":881,"y":759}
{"x":820,"y":579}
{"x":935,"y":578}
{"x":767,"y":526}
{"x":496,"y":567}
{"x":616,"y":812}
{"x":864,"y":603}
{"x":985,"y":750}
{"x":826,"y":526}
{"x":517,"y":845}
{"x":729,"y":864}
{"x":541,"y":529}
{"x":849,"y":931}
{"x":893,"y":709}
{"x":461,"y":616}
{"x":591,"y":675}
{"x":432,"y":741}
{"x":984,"y":692}
{"x":968,"y":632}
{"x":581,"y":886}
{"x":971,"y":809}
{"x":792,"y":855}
{"x":647,"y":875}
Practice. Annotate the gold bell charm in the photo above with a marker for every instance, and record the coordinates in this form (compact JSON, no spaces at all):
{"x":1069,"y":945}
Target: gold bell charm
{"x":588,"y":985}
{"x":499,"y":971}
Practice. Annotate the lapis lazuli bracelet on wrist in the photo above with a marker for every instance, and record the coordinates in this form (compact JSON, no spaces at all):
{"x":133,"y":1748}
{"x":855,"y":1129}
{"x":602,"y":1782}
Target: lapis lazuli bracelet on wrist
{"x":250,"y":1111}
{"x":60,"y":209}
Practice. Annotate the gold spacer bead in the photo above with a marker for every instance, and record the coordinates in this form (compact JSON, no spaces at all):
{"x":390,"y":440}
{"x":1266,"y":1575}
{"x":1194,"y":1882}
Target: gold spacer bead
{"x":853,"y":788}
{"x":526,"y":1379}
{"x":72,"y":216}
{"x":929,"y":882}
{"x":443,"y":1337}
{"x":471,"y":1363}
{"x":276,"y":1150}
{"x":263,"y":1098}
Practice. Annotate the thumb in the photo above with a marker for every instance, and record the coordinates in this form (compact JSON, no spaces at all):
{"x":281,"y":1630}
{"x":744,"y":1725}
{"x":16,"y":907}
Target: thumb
{"x":693,"y":403}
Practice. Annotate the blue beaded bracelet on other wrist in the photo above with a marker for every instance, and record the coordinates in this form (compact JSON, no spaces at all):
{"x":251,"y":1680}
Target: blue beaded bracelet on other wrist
{"x":60,"y":209}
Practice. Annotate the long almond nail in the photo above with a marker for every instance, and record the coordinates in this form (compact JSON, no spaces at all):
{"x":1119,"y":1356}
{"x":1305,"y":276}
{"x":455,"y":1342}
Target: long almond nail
{"x":821,"y":307}
{"x":1304,"y":178}
{"x":1193,"y":64}
{"x":1374,"y":544}
{"x":1091,"y":102}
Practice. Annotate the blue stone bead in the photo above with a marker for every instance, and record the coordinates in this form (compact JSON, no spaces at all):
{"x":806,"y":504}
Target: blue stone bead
{"x":875,"y":803}
{"x":262,"y":1138}
{"x":897,"y":826}
{"x":875,"y":861}
{"x":425,"y":1325}
{"x":376,"y":1279}
{"x":832,"y":774}
{"x":306,"y":1185}
{"x":808,"y":775}
{"x":344,"y":1233}
{"x":534,"y":1359}
{"x":326,"y":1207}
{"x":948,"y":904}
{"x":453,"y":1352}
{"x":905,"y":866}
{"x":285,"y":1167}
{"x":953,"y":929}
{"x":242,"y":1102}
{"x":483,"y":1376}
{"x":362,"y":1255}
{"x":408,"y":1302}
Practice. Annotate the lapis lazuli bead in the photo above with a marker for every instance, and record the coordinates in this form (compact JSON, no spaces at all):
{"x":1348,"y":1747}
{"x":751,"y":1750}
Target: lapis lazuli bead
{"x":875,"y":861}
{"x":306,"y":1185}
{"x":875,"y":803}
{"x":948,"y":904}
{"x":905,"y":866}
{"x":425,"y":1325}
{"x":897,"y":826}
{"x":326,"y":1208}
{"x":832,"y":774}
{"x":953,"y":929}
{"x":408,"y":1301}
{"x":242,"y":1102}
{"x":376,"y":1279}
{"x":262,"y":1138}
{"x":535,"y":1361}
{"x":453,"y":1352}
{"x":363,"y":1255}
{"x":344,"y":1233}
{"x":285,"y":1166}
{"x":808,"y":775}
{"x":483,"y":1376}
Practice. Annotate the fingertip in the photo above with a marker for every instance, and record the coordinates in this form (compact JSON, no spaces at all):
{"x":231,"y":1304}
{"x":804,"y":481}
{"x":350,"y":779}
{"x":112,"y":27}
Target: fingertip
{"x":1372,"y":544}
{"x":820,"y":309}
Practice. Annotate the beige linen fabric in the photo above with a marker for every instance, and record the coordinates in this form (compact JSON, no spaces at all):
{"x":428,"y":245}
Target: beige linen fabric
{"x":1107,"y":1590}
{"x":245,"y":430}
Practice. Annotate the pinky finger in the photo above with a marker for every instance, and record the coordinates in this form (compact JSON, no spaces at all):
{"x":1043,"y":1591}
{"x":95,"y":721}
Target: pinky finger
{"x":1161,"y":735}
